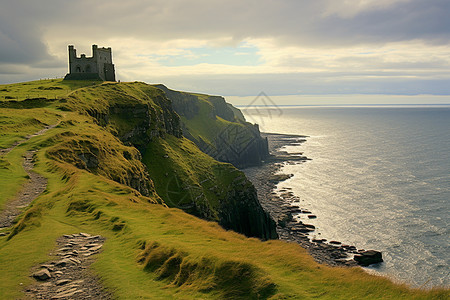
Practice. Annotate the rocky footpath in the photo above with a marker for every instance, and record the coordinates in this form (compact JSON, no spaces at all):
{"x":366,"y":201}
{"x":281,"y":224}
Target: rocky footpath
{"x":32,"y":188}
{"x":283,"y":205}
{"x":68,"y":275}
{"x":30,"y":191}
{"x":40,"y":132}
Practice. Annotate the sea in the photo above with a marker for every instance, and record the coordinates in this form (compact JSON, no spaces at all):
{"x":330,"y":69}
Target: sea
{"x":378,"y":178}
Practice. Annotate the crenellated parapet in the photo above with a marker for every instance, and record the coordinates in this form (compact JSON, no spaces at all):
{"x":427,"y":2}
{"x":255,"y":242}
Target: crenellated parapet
{"x":97,"y":67}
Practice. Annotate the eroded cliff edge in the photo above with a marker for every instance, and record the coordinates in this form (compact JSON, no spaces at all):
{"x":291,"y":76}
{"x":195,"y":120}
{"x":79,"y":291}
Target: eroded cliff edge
{"x":147,"y":152}
{"x":218,"y":128}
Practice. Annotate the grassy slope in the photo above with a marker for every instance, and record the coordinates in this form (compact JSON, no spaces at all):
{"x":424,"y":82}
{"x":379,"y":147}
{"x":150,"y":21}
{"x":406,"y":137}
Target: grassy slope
{"x":16,"y":124}
{"x":156,"y":252}
{"x":181,"y":172}
{"x":51,"y":89}
{"x":204,"y":125}
{"x":206,"y":128}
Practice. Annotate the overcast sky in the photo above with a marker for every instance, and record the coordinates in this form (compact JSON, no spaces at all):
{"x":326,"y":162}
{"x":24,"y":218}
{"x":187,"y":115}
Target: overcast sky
{"x":238,"y":47}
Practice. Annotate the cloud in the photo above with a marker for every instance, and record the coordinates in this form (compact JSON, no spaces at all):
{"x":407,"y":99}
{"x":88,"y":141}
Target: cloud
{"x":323,"y":45}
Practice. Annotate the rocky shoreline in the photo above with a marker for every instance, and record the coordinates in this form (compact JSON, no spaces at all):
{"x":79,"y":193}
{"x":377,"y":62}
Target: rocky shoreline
{"x":283,"y":205}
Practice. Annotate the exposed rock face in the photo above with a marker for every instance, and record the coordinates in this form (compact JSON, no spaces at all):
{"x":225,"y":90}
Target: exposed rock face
{"x":137,"y":114}
{"x":184,"y":104}
{"x":221,"y":108}
{"x":145,"y":121}
{"x":240,"y":146}
{"x":135,"y":122}
{"x":109,"y":158}
{"x":243,"y":213}
{"x":239,"y":142}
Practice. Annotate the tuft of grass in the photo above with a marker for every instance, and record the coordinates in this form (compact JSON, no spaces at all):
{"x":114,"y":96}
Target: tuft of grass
{"x":229,"y":279}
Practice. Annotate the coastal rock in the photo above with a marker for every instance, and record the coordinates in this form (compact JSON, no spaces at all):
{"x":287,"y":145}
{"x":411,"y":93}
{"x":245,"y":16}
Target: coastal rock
{"x":310,"y":226}
{"x":368,"y":257}
{"x":240,"y":143}
{"x":301,"y":229}
{"x":284,"y":219}
{"x":295,"y":210}
{"x":241,"y":211}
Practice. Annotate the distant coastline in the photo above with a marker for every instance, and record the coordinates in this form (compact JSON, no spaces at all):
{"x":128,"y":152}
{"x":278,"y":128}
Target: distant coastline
{"x":348,"y":105}
{"x":337,"y":100}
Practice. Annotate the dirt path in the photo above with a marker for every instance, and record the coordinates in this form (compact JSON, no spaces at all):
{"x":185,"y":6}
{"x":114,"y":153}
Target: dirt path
{"x":68,"y":275}
{"x":30,"y":191}
{"x":40,"y":132}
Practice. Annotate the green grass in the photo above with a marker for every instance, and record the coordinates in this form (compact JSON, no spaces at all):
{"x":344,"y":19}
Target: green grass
{"x":152,"y":251}
{"x":15,"y":124}
{"x":205,"y":127}
{"x":101,"y":97}
{"x":12,"y":176}
{"x":49,"y":88}
{"x":183,"y":174}
{"x":158,"y":252}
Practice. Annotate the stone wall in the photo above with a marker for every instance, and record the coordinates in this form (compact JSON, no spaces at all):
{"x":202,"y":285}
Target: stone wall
{"x":97,"y":67}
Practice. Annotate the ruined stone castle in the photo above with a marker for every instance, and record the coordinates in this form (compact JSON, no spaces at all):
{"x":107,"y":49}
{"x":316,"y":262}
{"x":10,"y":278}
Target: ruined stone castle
{"x":97,"y":67}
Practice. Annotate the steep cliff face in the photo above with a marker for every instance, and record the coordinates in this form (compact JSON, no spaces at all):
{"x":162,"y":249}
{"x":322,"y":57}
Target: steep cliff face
{"x":218,"y":128}
{"x":136,"y":115}
{"x":254,"y":220}
{"x":189,"y":179}
{"x":88,"y":147}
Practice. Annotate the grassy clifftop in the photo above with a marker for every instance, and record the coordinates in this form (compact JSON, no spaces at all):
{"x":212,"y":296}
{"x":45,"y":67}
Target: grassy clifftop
{"x":218,"y":129}
{"x":95,"y":184}
{"x":140,"y":115}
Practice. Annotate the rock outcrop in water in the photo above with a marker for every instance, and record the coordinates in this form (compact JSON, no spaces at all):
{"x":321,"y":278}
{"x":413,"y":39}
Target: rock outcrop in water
{"x":368,"y":257}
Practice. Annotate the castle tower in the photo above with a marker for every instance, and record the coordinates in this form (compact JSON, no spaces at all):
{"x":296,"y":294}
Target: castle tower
{"x":97,"y":67}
